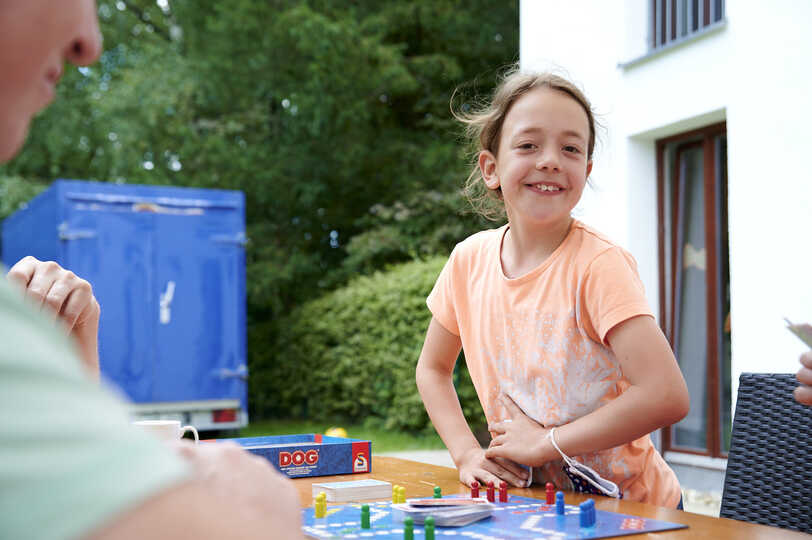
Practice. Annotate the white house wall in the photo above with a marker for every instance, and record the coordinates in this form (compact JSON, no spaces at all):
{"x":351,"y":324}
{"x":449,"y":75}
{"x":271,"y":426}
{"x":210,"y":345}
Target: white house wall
{"x":755,"y":72}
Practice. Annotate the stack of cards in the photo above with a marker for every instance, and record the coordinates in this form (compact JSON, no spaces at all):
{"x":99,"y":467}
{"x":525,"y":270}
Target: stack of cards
{"x":449,"y":512}
{"x":354,"y":490}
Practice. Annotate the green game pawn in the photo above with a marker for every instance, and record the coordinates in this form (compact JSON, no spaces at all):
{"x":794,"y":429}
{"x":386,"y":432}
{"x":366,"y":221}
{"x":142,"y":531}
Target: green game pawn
{"x":428,"y":528}
{"x":438,"y":493}
{"x":365,"y":516}
{"x":408,"y":529}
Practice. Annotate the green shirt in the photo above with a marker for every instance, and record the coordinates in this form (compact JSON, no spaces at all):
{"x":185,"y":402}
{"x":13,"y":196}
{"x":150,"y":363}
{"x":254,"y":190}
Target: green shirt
{"x":69,"y":460}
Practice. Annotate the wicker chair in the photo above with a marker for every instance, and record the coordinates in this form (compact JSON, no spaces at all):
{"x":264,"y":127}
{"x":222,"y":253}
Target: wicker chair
{"x":769,"y":468}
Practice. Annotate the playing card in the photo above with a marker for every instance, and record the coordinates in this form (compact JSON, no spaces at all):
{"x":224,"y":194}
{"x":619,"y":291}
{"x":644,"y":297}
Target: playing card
{"x":803,"y":331}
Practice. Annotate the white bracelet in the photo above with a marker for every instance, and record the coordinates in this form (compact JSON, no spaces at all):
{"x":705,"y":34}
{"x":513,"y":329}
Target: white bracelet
{"x":551,"y":436}
{"x":607,"y":487}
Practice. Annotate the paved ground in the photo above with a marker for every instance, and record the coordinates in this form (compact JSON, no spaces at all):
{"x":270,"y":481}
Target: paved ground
{"x":695,"y":501}
{"x":435,"y":457}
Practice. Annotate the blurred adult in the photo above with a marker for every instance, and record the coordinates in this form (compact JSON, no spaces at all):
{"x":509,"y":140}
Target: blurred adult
{"x":70,"y":464}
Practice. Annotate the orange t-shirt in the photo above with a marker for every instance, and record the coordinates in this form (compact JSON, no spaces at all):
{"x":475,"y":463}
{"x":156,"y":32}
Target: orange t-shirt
{"x":540,"y":339}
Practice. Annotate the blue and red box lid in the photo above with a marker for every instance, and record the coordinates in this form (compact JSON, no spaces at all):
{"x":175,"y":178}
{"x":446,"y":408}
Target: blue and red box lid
{"x":310,"y":454}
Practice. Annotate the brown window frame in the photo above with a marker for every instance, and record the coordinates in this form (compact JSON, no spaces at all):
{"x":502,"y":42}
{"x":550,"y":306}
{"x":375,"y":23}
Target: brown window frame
{"x":713,"y":307}
{"x":664,"y":15}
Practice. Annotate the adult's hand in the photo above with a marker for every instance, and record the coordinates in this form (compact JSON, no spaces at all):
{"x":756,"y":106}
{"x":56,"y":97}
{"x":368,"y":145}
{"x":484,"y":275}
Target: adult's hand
{"x":231,"y":494}
{"x":803,"y":394}
{"x":67,"y":298}
{"x":228,"y":471}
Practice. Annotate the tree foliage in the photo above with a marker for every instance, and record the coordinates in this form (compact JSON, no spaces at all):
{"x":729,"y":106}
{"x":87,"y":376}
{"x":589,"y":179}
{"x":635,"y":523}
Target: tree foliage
{"x":318,"y":110}
{"x":331,"y":115}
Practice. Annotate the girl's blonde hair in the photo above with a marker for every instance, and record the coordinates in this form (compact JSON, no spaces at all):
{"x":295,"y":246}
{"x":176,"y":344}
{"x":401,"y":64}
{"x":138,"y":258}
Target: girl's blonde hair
{"x":483,"y":129}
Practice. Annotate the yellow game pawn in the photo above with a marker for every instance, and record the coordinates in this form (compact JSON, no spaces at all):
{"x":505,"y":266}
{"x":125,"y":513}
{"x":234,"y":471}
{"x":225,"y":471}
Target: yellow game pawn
{"x":320,"y":506}
{"x":402,"y":494}
{"x":395,"y":494}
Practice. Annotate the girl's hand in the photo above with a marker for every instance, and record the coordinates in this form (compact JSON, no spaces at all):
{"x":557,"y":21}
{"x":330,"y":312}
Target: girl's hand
{"x":520,"y":438}
{"x":475,"y":466}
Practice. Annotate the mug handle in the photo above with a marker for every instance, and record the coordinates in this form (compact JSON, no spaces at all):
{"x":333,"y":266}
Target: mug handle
{"x":184,"y":429}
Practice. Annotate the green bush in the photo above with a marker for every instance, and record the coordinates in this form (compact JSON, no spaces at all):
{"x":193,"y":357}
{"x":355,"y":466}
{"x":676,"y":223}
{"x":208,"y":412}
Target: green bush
{"x":351,"y":354}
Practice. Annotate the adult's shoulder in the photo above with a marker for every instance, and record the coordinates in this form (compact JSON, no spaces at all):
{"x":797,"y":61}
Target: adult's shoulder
{"x":32,"y":343}
{"x":69,"y":454}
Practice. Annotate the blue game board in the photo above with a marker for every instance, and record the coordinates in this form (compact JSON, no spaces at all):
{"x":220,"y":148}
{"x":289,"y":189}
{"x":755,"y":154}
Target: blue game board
{"x":520,"y":517}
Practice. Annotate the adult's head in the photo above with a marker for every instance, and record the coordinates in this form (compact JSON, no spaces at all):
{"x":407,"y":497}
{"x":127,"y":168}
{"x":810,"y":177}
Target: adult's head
{"x":37,"y":37}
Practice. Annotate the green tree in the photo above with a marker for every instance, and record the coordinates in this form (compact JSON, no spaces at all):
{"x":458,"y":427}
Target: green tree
{"x":333,"y":116}
{"x":320,"y":111}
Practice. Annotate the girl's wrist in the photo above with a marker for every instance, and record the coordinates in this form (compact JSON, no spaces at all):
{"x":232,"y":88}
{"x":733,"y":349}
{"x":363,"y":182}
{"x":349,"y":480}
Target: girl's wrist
{"x":461,"y":455}
{"x":546,"y":450}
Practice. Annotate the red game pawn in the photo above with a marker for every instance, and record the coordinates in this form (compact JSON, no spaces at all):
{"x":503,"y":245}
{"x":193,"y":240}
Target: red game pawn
{"x":474,"y":489}
{"x":550,"y":493}
{"x":502,"y":491}
{"x":490,"y":492}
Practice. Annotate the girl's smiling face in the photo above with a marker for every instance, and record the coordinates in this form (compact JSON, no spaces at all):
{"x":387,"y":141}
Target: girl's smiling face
{"x":541,"y":163}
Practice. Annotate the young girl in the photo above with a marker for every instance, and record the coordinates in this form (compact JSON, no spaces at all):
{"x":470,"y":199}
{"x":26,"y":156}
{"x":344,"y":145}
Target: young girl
{"x":561,"y":345}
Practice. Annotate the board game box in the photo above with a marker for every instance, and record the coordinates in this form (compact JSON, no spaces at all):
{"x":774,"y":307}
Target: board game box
{"x":310,"y":454}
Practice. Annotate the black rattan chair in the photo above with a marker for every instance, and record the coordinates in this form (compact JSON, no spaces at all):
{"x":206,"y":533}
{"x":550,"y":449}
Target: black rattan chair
{"x":769,"y":467}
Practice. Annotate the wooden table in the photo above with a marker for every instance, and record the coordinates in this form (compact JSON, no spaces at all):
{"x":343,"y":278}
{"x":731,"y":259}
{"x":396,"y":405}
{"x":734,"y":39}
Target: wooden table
{"x":419,"y":480}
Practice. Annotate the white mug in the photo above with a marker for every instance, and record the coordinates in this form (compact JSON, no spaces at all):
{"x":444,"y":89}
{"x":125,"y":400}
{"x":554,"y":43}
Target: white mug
{"x":165,"y":430}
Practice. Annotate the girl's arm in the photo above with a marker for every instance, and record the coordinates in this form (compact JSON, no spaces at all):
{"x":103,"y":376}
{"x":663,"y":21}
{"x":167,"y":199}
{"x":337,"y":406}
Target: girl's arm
{"x":434,"y":382}
{"x":657,"y":397}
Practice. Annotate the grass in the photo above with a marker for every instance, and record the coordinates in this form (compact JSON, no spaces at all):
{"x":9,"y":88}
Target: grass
{"x":382,"y":440}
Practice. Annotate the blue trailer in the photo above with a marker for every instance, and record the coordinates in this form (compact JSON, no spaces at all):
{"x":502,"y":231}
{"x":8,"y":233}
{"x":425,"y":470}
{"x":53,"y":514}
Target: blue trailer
{"x":167,"y":265}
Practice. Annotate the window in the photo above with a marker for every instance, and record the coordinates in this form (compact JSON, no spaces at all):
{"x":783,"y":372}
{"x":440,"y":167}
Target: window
{"x":694,"y":283}
{"x":671,"y":20}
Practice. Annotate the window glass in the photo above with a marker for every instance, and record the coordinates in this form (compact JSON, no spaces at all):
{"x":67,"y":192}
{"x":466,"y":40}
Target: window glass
{"x":690,"y":317}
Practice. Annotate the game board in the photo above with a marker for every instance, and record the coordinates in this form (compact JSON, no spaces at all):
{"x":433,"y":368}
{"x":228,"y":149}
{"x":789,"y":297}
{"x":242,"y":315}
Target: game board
{"x":520,"y":517}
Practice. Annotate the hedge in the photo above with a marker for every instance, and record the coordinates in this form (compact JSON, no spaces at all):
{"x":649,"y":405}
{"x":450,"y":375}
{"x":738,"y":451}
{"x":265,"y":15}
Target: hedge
{"x":351,"y":354}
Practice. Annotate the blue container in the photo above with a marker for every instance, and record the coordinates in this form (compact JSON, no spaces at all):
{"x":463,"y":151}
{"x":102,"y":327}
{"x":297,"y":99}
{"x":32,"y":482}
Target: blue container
{"x":167,"y":265}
